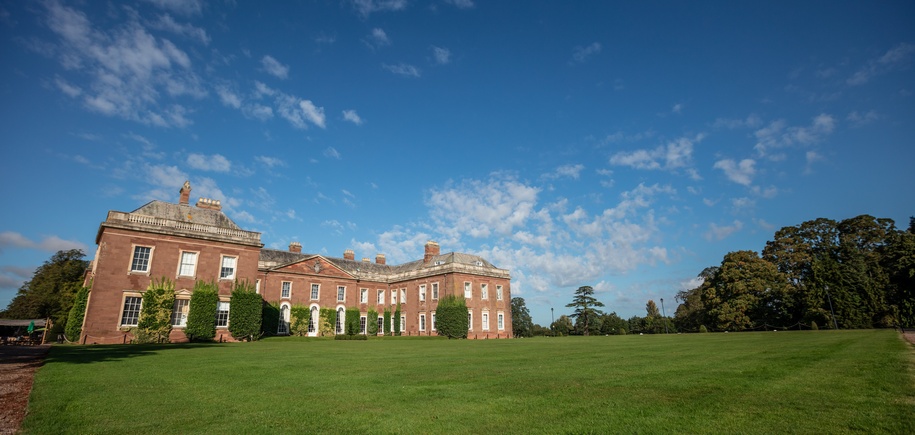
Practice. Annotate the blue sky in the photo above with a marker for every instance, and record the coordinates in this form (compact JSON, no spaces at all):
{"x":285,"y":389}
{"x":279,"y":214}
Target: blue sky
{"x":622,"y":145}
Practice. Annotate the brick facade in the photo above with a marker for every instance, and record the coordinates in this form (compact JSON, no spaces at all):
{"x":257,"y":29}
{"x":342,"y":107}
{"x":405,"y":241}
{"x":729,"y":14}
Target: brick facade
{"x":164,"y":232}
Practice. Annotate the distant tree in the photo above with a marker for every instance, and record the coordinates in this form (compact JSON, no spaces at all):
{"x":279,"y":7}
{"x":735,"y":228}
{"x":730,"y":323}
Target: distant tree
{"x":51,"y":291}
{"x":653,"y":321}
{"x":612,"y":324}
{"x":584,"y":303}
{"x":747,"y":291}
{"x":541,"y":331}
{"x":899,"y":264}
{"x":522,"y":323}
{"x":562,"y":326}
{"x":451,"y":317}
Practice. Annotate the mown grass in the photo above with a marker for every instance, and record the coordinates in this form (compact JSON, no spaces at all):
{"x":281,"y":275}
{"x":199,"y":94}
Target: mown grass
{"x":784,"y":382}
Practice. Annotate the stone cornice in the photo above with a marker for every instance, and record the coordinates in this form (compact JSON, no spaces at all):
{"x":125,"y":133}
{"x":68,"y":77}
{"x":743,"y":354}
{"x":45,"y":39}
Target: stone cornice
{"x":151,"y":224}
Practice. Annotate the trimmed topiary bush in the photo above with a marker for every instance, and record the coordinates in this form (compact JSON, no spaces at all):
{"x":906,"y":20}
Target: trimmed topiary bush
{"x":245,"y":313}
{"x":397,"y":321}
{"x":201,"y":315}
{"x":77,"y":312}
{"x":451,"y":317}
{"x":351,"y":337}
{"x":387,"y":322}
{"x":327,"y":322}
{"x":299,"y":315}
{"x":270,"y":318}
{"x":623,"y":331}
{"x":703,"y":329}
{"x":813,"y":326}
{"x":351,"y":322}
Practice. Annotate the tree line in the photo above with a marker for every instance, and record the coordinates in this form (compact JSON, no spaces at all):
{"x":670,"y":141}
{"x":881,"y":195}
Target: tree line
{"x":854,"y":273}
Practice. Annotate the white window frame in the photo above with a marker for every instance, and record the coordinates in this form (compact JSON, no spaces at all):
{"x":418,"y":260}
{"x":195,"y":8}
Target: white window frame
{"x":136,"y":300}
{"x":227,"y":311}
{"x":283,"y":327}
{"x":381,"y":325}
{"x":498,"y":292}
{"x":434,"y":292}
{"x":340,"y":320}
{"x":257,"y":286}
{"x":501,"y":320}
{"x":222,"y":266}
{"x":468,"y":290}
{"x":314,"y":312}
{"x":286,"y":290}
{"x":470,"y":320}
{"x":363,"y":295}
{"x":403,"y":296}
{"x":193,"y":265}
{"x":315,"y":291}
{"x":422,"y":322}
{"x":180,"y":308}
{"x":341,"y":293}
{"x":393,"y":297}
{"x":380,"y":299}
{"x":403,"y":324}
{"x":484,"y":320}
{"x":133,"y":259}
{"x":484,"y":291}
{"x":433,"y":321}
{"x":422,"y":293}
{"x":363,"y":324}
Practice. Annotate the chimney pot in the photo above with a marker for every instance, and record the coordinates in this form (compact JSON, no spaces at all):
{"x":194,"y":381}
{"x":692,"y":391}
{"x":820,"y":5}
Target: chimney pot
{"x":379,"y":259}
{"x":365,"y":259}
{"x":185,"y":193}
{"x":295,"y":247}
{"x":349,"y":255}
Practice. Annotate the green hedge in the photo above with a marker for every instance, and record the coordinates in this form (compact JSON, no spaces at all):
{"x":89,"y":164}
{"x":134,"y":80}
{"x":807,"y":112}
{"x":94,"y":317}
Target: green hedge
{"x":451,"y":317}
{"x":299,"y":315}
{"x":327,"y":322}
{"x":371,"y":322}
{"x":351,"y":322}
{"x":77,"y":312}
{"x":397,"y":321}
{"x":245,"y":311}
{"x":201,"y":315}
{"x":387,"y":322}
{"x":156,"y":314}
{"x":351,"y":337}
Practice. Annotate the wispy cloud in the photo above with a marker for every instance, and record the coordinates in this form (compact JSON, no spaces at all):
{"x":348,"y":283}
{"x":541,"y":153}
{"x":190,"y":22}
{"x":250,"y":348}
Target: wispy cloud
{"x":167,"y":23}
{"x":566,"y":171}
{"x":11,"y":239}
{"x":183,"y":7}
{"x":297,"y":111}
{"x":368,"y":7}
{"x":352,"y":116}
{"x":402,"y":69}
{"x":274,"y":67}
{"x":721,"y":232}
{"x":778,"y":135}
{"x":740,"y":173}
{"x":378,"y":38}
{"x":331,"y":152}
{"x":270,"y":162}
{"x":461,"y":4}
{"x":889,"y":61}
{"x":582,"y":54}
{"x":441,"y":55}
{"x":215,"y":162}
{"x":675,"y":155}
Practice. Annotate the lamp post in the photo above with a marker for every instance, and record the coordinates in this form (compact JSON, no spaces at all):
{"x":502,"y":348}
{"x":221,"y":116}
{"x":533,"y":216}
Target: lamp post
{"x":664,"y":313}
{"x":552,"y":319}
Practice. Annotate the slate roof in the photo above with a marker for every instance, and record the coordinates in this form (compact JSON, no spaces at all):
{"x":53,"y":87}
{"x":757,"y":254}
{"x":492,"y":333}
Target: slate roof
{"x":276,"y":259}
{"x":187,"y":213}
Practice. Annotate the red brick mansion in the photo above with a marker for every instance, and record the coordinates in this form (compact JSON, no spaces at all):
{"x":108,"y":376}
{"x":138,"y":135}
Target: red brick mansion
{"x":186,"y":243}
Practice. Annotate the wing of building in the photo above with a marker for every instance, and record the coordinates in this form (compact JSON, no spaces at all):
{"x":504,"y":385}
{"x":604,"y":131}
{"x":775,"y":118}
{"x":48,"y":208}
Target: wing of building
{"x":186,"y":243}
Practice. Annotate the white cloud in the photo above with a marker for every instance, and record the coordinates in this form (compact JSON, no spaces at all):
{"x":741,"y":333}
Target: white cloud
{"x":312,"y":113}
{"x":183,"y":7}
{"x":778,"y":135}
{"x":716,"y":232}
{"x":129,"y":71}
{"x":889,"y":61}
{"x":441,"y":55}
{"x":567,"y":171}
{"x":378,"y":38}
{"x":270,"y":162}
{"x":367,"y":7}
{"x":228,"y":97}
{"x":751,"y":121}
{"x":167,"y":23}
{"x":274,"y":67}
{"x":294,"y":109}
{"x":676,"y":154}
{"x":677,"y":108}
{"x":352,"y":116}
{"x":332,"y":153}
{"x":461,"y":4}
{"x":581,"y":54}
{"x":402,"y":69}
{"x":740,"y":173}
{"x":72,"y":91}
{"x":215,"y":162}
{"x":11,"y":239}
{"x":861,"y":119}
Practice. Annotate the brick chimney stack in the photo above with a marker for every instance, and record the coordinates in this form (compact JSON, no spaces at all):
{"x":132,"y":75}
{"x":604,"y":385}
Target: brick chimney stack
{"x":365,"y":259}
{"x":349,"y":255}
{"x":185,"y":193}
{"x":379,"y":259}
{"x":432,"y":250}
{"x":295,"y":247}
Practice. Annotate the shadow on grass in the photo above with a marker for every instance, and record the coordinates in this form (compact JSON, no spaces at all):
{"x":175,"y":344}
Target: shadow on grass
{"x":115,"y":352}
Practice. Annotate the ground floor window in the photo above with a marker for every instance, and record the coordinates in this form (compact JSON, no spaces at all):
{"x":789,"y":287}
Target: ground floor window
{"x":422,"y":322}
{"x":312,"y":320}
{"x":380,"y":324}
{"x":284,"y":320}
{"x":501,"y":320}
{"x":179,"y":312}
{"x":362,"y":325}
{"x":222,"y":314}
{"x":131,"y":314}
{"x":340,"y":315}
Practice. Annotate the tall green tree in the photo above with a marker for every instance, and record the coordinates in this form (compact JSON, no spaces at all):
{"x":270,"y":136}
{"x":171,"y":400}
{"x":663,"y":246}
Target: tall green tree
{"x":562,"y":326}
{"x":522,"y":323}
{"x":899,"y":263}
{"x":584,"y":304}
{"x":746,"y":292}
{"x":51,"y":291}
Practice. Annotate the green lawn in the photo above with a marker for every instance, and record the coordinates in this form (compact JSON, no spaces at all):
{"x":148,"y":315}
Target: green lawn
{"x":771,"y":382}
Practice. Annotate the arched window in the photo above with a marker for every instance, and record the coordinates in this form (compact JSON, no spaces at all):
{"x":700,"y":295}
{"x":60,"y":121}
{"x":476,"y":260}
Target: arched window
{"x":313,"y":319}
{"x":283,"y":327}
{"x":341,"y":313}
